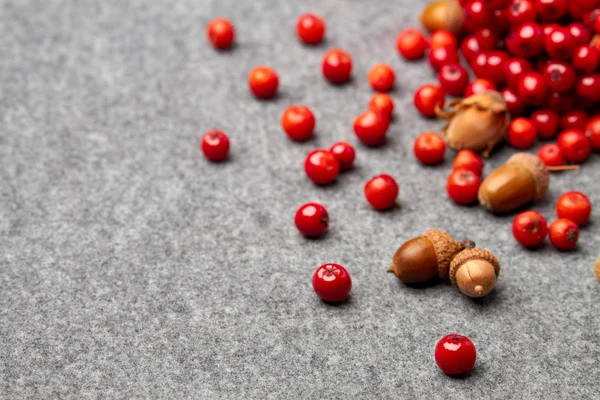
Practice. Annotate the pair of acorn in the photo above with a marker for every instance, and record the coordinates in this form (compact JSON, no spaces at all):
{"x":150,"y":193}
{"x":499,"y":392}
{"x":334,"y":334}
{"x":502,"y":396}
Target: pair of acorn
{"x":436,"y":255}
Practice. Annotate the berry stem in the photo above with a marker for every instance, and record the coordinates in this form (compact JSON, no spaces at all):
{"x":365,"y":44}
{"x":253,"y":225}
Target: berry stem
{"x":563,"y":168}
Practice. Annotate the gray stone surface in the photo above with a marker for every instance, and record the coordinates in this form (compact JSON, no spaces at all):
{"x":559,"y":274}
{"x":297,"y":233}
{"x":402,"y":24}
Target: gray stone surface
{"x":130,"y":267}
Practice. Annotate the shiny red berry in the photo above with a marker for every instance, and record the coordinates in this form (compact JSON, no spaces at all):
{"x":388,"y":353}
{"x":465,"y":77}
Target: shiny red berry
{"x":454,"y":79}
{"x":551,"y":155}
{"x":592,"y":132}
{"x":564,"y":234}
{"x":381,"y":192}
{"x":586,"y":58}
{"x":467,"y":159}
{"x":526,"y":41}
{"x":442,"y":38}
{"x":514,"y":103}
{"x":312,"y":220}
{"x":470,"y":47}
{"x":560,"y":44}
{"x":411,"y":44}
{"x":479,"y":85}
{"x":310,"y":28}
{"x":546,"y":123}
{"x":455,"y":354}
{"x":463,"y":186}
{"x":321,"y":167}
{"x":263,"y":82}
{"x":215,"y":145}
{"x":429,"y":148}
{"x":521,"y":133}
{"x":575,"y":119}
{"x":551,"y":10}
{"x":371,"y":126}
{"x":514,"y":68}
{"x":477,"y":15}
{"x":441,"y":56}
{"x":383,"y":103}
{"x":580,"y":34}
{"x":530,"y":228}
{"x":337,"y":66}
{"x":487,"y":38}
{"x":298,"y":122}
{"x":549,"y":28}
{"x":575,"y":206}
{"x":521,"y":11}
{"x":588,"y":87}
{"x":427,"y":97}
{"x":344,"y":153}
{"x":532,"y":88}
{"x":382,"y":77}
{"x":332,"y":283}
{"x":559,"y":76}
{"x":574,"y":145}
{"x":220,"y":32}
{"x":490,"y":65}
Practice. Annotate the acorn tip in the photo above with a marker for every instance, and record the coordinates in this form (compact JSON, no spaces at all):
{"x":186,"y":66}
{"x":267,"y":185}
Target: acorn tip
{"x":479,"y":290}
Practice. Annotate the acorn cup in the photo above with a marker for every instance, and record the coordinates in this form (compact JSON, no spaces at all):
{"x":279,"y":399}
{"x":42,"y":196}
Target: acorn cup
{"x":474,"y":271}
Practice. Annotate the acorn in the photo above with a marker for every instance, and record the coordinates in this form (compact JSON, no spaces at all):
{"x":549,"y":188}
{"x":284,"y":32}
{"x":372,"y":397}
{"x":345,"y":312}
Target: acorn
{"x":521,"y":180}
{"x":474,"y":271}
{"x":445,"y":15}
{"x":597,"y":269}
{"x":425,"y":258}
{"x":477,"y":123}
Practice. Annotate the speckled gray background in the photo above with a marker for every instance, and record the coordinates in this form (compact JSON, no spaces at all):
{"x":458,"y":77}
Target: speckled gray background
{"x":130,"y":267}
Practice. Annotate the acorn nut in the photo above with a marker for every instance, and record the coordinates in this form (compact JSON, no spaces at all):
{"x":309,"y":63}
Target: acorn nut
{"x":445,"y":15}
{"x":474,"y":271}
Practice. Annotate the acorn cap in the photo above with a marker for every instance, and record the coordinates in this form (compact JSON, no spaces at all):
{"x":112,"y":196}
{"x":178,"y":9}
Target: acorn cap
{"x":472,"y":254}
{"x":445,"y":249}
{"x":538,"y":170}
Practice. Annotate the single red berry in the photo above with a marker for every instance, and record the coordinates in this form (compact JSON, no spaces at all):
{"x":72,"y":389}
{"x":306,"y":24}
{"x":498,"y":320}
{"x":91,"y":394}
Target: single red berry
{"x":521,"y":133}
{"x":588,"y":87}
{"x":463,"y":186}
{"x":427,"y":97}
{"x":470,"y":47}
{"x":321,"y":167}
{"x":586,"y":58}
{"x":381,"y":192}
{"x":580,"y":33}
{"x":370,"y":127}
{"x":382,"y":77}
{"x":312,"y":220}
{"x":490,"y":65}
{"x":560,"y":102}
{"x":477,"y":15}
{"x":344,"y":153}
{"x":332,"y":283}
{"x":551,"y":155}
{"x":551,"y":10}
{"x":532,"y":88}
{"x":441,"y":56}
{"x":574,"y":145}
{"x":337,"y":66}
{"x":560,"y":44}
{"x":298,"y":123}
{"x":383,"y":103}
{"x":442,"y":38}
{"x":455,"y":354}
{"x":521,"y":11}
{"x":514,"y":68}
{"x":514,"y":104}
{"x":499,"y":21}
{"x":220,"y":32}
{"x":454,"y":79}
{"x":576,"y":12}
{"x":215,"y":145}
{"x":564,"y":234}
{"x":310,"y":28}
{"x":576,"y":119}
{"x":575,"y":206}
{"x":526,"y":41}
{"x":411,"y":44}
{"x":546,"y":123}
{"x":263,"y":82}
{"x":589,"y":18}
{"x":487,"y":38}
{"x":530,"y":228}
{"x":559,"y":76}
{"x":479,"y":85}
{"x":429,"y":148}
{"x":467,"y":159}
{"x":592,"y":132}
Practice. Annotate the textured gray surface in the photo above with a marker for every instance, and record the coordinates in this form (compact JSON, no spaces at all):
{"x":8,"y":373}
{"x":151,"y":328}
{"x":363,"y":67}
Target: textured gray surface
{"x":130,"y":267}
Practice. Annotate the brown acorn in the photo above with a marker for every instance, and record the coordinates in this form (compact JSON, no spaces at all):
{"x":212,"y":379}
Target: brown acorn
{"x":425,"y":258}
{"x":474,"y":271}
{"x":445,"y":15}
{"x":477,"y":123}
{"x":597,"y":269}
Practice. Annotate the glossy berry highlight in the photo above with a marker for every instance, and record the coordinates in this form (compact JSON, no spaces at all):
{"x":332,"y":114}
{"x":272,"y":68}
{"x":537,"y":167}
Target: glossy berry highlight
{"x":263,"y":82}
{"x":321,"y":167}
{"x":215,"y":145}
{"x":310,"y":28}
{"x":530,"y":228}
{"x":429,"y":148}
{"x":220,"y":32}
{"x":298,"y":122}
{"x":455,"y":354}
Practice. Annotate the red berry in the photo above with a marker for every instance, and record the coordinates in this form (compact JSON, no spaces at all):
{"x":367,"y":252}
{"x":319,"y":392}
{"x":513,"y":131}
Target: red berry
{"x":454,"y":79}
{"x":546,"y":123}
{"x":220,"y":32}
{"x":298,"y":123}
{"x":312,"y":220}
{"x":441,"y":56}
{"x":381,"y":192}
{"x":332,"y":283}
{"x":310,"y":28}
{"x":215,"y":145}
{"x":532,"y":88}
{"x":442,"y":38}
{"x":564,"y":234}
{"x":467,"y":159}
{"x":587,"y":4}
{"x":588,"y":87}
{"x":479,"y":85}
{"x":344,"y":153}
{"x":597,"y":24}
{"x":463,"y":186}
{"x":411,"y":44}
{"x":559,"y":76}
{"x":370,"y":127}
{"x":580,"y":33}
{"x":381,"y":77}
{"x":455,"y":354}
{"x":477,"y":15}
{"x":490,"y":65}
{"x":589,"y":18}
{"x":521,"y":133}
{"x":521,"y":11}
{"x":427,"y":97}
{"x":263,"y":82}
{"x":575,"y":206}
{"x":499,"y":21}
{"x":586,"y":58}
{"x":560,"y":44}
{"x":470,"y":47}
{"x":576,"y":12}
{"x":337,"y":66}
{"x":574,"y":145}
{"x":551,"y":10}
{"x":551,"y":155}
{"x":514,"y":68}
{"x":576,"y":119}
{"x":526,"y":41}
{"x":592,"y":131}
{"x":549,"y":28}
{"x":530,"y":228}
{"x":560,"y":102}
{"x":321,"y":167}
{"x":514,"y":104}
{"x":429,"y":148}
{"x":487,"y":38}
{"x":383,"y":103}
